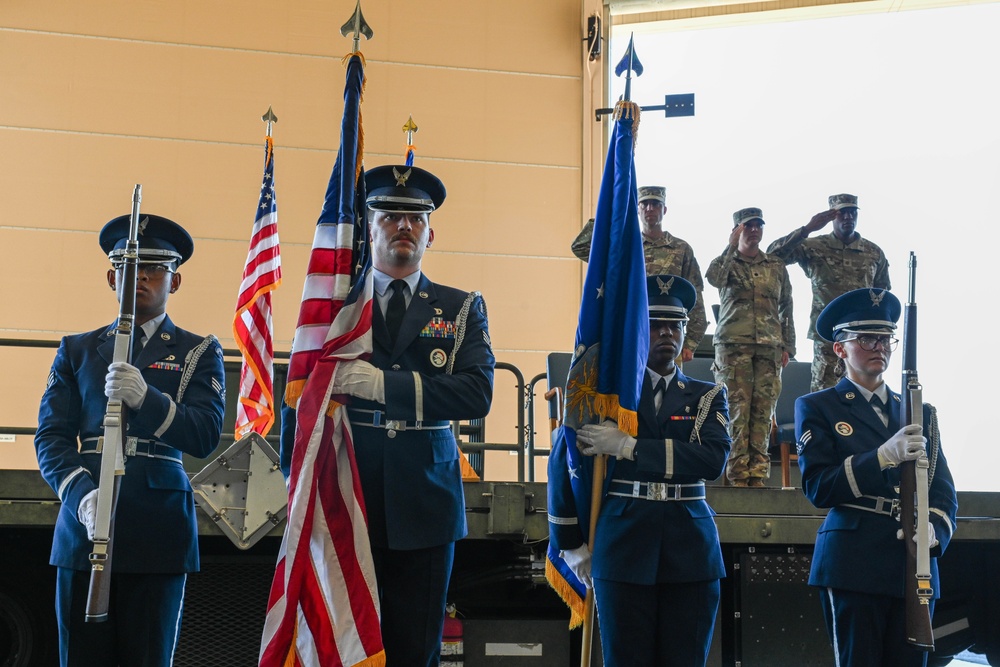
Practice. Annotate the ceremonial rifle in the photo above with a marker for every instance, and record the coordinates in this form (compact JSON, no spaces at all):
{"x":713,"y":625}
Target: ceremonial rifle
{"x":112,"y":443}
{"x":913,"y":489}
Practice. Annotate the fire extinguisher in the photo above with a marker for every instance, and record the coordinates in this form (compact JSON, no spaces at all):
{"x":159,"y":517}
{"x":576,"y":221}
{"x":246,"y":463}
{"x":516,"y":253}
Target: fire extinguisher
{"x":452,"y":643}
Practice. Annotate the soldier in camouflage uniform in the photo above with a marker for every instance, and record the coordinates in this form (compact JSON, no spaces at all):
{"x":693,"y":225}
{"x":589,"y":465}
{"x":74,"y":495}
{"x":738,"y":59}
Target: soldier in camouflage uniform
{"x":753,"y":342}
{"x":836,"y":263}
{"x":665,"y":254}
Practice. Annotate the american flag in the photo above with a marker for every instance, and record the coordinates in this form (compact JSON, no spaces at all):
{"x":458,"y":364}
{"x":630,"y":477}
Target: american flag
{"x":252,"y":327}
{"x":323,"y":608}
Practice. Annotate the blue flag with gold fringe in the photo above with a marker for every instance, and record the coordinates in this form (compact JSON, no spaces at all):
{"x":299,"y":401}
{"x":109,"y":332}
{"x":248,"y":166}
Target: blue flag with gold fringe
{"x":612,"y":343}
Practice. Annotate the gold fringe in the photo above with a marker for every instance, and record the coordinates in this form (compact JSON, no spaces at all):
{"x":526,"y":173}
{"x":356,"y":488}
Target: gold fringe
{"x":566,"y":593}
{"x":331,"y":407}
{"x":377,"y":660}
{"x":468,"y":473}
{"x":293,"y":392}
{"x":290,"y":658}
{"x":607,"y":406}
{"x":628,"y":422}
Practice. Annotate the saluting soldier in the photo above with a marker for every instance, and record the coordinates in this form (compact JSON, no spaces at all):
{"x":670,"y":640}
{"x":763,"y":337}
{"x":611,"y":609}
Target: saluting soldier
{"x":656,"y":563}
{"x":835,"y":263}
{"x":754,"y":341}
{"x":665,"y":255}
{"x":850,"y":444}
{"x":175,"y":393}
{"x":431,"y":363}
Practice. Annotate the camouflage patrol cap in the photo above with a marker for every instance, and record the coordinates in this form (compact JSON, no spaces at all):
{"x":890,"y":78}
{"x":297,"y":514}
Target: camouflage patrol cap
{"x":670,"y":297}
{"x":865,"y":310}
{"x":656,"y":192}
{"x":160,"y":240}
{"x":844,"y":200}
{"x":746,"y":215}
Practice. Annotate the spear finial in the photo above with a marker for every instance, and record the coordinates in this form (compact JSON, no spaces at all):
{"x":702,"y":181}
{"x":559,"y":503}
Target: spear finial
{"x":410,"y":128}
{"x":270,"y":119}
{"x":357,"y":26}
{"x":628,"y":64}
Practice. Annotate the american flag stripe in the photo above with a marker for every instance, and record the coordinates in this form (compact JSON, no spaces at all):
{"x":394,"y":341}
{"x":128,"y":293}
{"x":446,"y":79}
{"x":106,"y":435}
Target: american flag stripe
{"x":252,"y":324}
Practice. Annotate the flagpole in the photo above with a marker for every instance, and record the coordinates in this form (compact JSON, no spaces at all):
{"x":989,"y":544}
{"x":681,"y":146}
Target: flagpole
{"x":629,"y":63}
{"x":596,"y":496}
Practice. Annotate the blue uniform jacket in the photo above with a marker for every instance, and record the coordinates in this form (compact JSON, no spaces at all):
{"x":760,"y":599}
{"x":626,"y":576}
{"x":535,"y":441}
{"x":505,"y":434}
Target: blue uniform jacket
{"x":155,"y":526}
{"x":838,"y":436}
{"x":412,"y":482}
{"x":647,"y":541}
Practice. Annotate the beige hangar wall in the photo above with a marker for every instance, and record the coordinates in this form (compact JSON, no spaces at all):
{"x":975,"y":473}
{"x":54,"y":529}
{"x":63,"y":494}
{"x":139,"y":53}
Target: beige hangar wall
{"x":101,"y":95}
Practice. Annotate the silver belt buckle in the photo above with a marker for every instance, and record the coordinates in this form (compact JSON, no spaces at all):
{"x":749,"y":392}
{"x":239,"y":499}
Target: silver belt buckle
{"x":394,"y":425}
{"x":131,"y":442}
{"x":656,"y":491}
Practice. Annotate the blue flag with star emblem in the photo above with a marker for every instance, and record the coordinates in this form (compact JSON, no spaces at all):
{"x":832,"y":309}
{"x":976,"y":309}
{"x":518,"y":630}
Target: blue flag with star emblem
{"x":609,"y":357}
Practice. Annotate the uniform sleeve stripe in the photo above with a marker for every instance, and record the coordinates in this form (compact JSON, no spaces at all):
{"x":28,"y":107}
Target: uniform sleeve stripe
{"x":171,"y":413}
{"x":849,"y":471}
{"x":418,"y":397}
{"x":564,"y":520}
{"x":947,"y":520}
{"x":69,"y":478}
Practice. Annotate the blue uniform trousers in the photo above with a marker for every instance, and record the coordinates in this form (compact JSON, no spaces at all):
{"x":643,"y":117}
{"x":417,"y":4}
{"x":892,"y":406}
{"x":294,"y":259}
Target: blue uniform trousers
{"x":661,"y":625}
{"x":144,"y":620}
{"x":413,"y":585}
{"x":869,"y":630}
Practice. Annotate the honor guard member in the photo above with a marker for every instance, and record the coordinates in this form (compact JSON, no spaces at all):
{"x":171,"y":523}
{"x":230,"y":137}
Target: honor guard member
{"x":175,"y":396}
{"x":850,"y":445}
{"x":656,"y":560}
{"x":431,"y":364}
{"x":665,"y":254}
{"x":753,"y":342}
{"x":835,"y":263}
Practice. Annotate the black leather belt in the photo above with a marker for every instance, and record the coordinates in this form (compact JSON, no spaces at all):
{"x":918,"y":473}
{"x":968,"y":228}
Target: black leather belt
{"x":656,"y":490}
{"x":876,"y":504}
{"x":376,"y":419}
{"x":136,"y":447}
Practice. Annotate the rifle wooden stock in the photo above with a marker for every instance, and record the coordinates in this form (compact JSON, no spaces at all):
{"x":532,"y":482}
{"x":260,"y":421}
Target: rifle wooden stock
{"x":913,"y":516}
{"x":596,"y":493}
{"x":112,"y":444}
{"x":99,"y":591}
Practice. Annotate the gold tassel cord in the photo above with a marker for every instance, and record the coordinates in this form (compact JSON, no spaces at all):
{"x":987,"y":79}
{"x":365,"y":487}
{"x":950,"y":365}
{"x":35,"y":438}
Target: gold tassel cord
{"x":628,"y":110}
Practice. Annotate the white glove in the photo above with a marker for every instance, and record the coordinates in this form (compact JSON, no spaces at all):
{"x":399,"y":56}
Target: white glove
{"x":124,"y":383}
{"x":579,"y":562}
{"x":359,"y":378}
{"x":604,"y":438}
{"x":932,"y":540}
{"x":908,"y":444}
{"x":86,"y":513}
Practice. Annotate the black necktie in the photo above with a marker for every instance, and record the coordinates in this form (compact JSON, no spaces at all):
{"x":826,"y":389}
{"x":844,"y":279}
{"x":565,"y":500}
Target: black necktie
{"x":396,"y":308}
{"x":138,"y":342}
{"x":658,"y":393}
{"x":879,"y":407}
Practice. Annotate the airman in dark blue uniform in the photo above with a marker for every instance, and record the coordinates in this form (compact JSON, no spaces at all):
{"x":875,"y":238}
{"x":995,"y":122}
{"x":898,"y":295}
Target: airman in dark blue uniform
{"x":174,"y":392}
{"x":431,"y":363}
{"x":656,"y":560}
{"x":850,"y":443}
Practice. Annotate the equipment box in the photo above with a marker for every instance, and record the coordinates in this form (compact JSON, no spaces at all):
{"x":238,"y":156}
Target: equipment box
{"x":516,"y":643}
